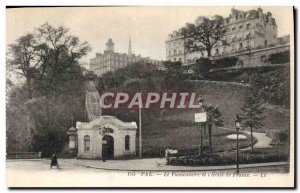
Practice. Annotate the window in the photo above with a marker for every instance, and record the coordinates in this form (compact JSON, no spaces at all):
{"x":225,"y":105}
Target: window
{"x":248,"y":25}
{"x":127,"y":139}
{"x":174,"y":52}
{"x":241,"y":45}
{"x":266,"y":42}
{"x":86,"y":143}
{"x":240,"y":27}
{"x":232,"y":47}
{"x":233,"y":28}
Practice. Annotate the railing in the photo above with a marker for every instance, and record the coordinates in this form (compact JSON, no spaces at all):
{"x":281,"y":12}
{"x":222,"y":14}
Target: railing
{"x":24,"y":155}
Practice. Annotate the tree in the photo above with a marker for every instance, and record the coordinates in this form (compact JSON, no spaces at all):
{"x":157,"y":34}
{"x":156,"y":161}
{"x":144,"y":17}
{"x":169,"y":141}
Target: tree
{"x":61,"y":52}
{"x":252,"y":116}
{"x":40,"y":57}
{"x":49,"y":61}
{"x":174,"y":74}
{"x":201,"y":67}
{"x":204,"y":35}
{"x":19,"y":126}
{"x":273,"y":86}
{"x":22,"y":59}
{"x":214,"y":118}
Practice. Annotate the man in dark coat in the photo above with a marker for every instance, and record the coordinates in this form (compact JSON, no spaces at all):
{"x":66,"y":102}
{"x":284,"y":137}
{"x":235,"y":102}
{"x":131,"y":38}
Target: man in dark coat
{"x":54,"y":161}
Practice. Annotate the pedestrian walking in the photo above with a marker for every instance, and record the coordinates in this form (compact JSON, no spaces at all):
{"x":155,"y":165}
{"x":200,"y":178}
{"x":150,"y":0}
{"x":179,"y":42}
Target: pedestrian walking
{"x":54,"y":161}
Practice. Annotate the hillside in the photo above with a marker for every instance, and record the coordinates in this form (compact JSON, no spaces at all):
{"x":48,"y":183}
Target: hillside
{"x":175,"y":128}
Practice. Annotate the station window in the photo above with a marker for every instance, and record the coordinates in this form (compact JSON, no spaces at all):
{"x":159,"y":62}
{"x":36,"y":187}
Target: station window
{"x":127,"y":140}
{"x":86,"y":143}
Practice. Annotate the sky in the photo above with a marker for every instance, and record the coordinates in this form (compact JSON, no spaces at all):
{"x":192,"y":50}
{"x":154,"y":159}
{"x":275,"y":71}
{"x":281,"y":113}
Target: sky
{"x":148,"y":27}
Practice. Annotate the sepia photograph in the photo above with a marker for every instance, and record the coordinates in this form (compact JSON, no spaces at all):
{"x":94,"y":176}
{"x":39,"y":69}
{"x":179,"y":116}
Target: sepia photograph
{"x":144,"y":96}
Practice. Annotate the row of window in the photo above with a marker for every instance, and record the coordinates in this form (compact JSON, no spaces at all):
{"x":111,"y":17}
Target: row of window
{"x":175,"y":52}
{"x":97,"y":61}
{"x":175,"y":43}
{"x":179,"y":60}
{"x":247,"y":26}
{"x":240,"y":27}
{"x":87,"y":142}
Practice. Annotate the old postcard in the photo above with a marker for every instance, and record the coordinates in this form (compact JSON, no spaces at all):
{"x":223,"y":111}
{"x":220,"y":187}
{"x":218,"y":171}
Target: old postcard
{"x":150,"y":97}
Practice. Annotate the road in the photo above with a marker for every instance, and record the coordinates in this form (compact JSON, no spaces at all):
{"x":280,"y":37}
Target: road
{"x":37,"y":173}
{"x":263,"y":141}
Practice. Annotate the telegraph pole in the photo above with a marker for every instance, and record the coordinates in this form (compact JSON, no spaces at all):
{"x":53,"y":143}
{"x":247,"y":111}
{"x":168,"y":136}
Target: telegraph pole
{"x":140,"y":132}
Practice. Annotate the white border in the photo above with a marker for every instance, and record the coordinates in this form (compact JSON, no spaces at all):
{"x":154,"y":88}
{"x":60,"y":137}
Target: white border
{"x":112,"y":2}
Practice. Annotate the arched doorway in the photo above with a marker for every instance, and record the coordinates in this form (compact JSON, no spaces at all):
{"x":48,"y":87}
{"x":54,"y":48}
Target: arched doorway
{"x":108,"y":147}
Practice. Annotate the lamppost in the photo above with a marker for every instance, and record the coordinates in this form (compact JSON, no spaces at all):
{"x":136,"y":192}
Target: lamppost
{"x":202,"y":125}
{"x":237,"y":126}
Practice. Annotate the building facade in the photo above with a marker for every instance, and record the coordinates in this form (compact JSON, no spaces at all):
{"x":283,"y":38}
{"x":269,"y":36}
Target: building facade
{"x":104,"y":138}
{"x":110,"y":60}
{"x":245,"y":31}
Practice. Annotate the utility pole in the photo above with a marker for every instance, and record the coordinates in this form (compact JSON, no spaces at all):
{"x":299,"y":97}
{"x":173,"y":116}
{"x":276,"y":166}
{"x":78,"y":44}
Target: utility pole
{"x":201,"y":139}
{"x":140,"y":132}
{"x":237,"y":153}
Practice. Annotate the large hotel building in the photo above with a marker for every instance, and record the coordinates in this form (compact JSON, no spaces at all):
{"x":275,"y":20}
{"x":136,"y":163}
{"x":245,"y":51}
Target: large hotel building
{"x":111,"y":60}
{"x":247,"y":32}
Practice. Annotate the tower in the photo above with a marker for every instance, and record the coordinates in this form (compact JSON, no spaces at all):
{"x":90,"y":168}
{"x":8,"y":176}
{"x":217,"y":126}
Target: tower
{"x":129,"y":48}
{"x":110,"y":45}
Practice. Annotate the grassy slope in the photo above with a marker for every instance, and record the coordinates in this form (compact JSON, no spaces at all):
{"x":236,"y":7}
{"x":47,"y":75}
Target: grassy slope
{"x":175,"y":134}
{"x":228,"y":97}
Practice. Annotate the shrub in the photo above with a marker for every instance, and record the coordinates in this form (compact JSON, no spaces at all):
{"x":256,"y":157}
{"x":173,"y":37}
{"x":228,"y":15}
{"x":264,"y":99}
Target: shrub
{"x":280,"y":58}
{"x":224,"y":62}
{"x":283,"y":136}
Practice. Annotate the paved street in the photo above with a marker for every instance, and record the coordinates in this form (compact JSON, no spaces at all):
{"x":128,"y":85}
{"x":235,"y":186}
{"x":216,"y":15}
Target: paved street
{"x":79,"y":173}
{"x":156,"y":164}
{"x":150,"y":164}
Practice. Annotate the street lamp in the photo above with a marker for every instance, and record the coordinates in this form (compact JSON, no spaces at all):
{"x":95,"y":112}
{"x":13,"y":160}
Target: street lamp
{"x":237,"y":126}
